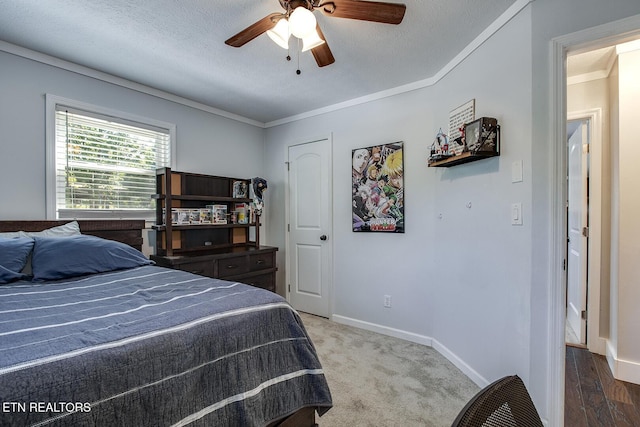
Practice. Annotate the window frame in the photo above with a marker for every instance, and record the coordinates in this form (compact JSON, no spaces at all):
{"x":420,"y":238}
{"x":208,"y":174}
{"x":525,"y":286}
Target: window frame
{"x":52,"y":102}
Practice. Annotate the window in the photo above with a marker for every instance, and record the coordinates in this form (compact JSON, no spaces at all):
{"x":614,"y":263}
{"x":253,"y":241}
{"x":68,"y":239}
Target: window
{"x":103,"y":164}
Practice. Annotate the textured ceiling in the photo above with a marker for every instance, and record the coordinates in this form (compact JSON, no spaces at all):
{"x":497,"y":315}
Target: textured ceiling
{"x":178,"y":47}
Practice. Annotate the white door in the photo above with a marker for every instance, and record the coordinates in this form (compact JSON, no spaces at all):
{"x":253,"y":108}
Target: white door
{"x":310,"y":240}
{"x":577,"y":227}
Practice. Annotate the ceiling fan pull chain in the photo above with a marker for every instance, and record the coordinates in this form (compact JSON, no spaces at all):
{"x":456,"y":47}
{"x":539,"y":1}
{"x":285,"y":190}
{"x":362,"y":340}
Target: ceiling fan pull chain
{"x":298,"y":70}
{"x":288,"y":44}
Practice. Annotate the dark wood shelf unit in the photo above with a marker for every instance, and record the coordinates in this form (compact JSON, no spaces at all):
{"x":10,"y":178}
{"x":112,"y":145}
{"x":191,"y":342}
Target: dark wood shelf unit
{"x":223,"y":251}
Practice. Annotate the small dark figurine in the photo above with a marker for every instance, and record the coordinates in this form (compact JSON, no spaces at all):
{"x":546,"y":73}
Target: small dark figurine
{"x":259,"y":186}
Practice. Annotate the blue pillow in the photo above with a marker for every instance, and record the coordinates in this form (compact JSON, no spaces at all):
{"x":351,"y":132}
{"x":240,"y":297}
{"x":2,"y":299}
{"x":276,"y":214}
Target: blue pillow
{"x":54,"y":258}
{"x":7,"y":275}
{"x":13,"y":257}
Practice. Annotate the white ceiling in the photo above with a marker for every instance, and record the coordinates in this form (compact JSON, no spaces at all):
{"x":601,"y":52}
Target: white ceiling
{"x":590,"y":65}
{"x":177,"y":46}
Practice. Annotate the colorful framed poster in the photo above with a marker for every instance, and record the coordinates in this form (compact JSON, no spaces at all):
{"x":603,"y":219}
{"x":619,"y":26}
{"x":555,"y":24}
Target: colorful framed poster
{"x":378,"y":188}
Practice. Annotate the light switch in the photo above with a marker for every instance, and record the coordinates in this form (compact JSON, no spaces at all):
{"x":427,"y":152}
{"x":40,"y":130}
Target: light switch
{"x":516,"y":214}
{"x":516,"y":171}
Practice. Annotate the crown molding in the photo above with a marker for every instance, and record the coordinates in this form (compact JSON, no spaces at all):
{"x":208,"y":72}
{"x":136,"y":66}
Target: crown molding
{"x":503,"y":19}
{"x":119,"y":81}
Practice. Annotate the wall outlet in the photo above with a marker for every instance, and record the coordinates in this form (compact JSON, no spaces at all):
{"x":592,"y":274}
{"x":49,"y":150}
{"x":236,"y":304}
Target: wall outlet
{"x":387,"y":301}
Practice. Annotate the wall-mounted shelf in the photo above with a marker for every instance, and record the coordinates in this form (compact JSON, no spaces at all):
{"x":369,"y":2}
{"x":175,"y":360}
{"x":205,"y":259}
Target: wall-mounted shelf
{"x":461,"y":158}
{"x":481,"y":141}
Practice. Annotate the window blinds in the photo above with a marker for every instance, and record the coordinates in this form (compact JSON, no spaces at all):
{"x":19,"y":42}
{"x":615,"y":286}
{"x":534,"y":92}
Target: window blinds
{"x":106,"y":166}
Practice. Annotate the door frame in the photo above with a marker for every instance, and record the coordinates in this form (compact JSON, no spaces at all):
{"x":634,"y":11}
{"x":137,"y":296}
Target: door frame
{"x":589,"y":39}
{"x":287,"y":203}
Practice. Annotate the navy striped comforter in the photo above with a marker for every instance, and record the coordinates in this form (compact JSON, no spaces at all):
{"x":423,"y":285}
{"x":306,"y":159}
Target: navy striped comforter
{"x":152,"y":347}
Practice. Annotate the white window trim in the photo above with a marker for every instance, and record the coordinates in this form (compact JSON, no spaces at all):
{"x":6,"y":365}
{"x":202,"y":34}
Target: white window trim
{"x":51,"y":101}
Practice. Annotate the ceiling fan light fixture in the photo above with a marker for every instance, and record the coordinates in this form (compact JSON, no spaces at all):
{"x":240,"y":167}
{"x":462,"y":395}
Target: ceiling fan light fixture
{"x":310,"y":41}
{"x":280,"y":33}
{"x":302,"y":22}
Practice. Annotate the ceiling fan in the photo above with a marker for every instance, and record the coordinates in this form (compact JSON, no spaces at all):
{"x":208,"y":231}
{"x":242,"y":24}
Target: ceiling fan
{"x":298,"y":20}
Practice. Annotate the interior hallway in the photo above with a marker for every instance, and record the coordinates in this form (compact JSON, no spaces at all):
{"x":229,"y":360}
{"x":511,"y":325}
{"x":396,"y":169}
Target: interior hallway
{"x":593,"y":398}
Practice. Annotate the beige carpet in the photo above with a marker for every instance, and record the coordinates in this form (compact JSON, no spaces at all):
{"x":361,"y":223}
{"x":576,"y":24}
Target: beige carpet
{"x":380,"y":381}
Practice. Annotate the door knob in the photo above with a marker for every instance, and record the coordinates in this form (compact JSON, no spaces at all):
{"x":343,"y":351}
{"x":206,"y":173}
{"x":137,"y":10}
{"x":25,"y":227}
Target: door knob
{"x":323,"y":237}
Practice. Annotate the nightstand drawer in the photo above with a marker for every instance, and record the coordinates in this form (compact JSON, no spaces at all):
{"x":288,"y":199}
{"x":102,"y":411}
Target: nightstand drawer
{"x":264,"y":281}
{"x":203,"y":268}
{"x":231,"y":266}
{"x":261,"y":261}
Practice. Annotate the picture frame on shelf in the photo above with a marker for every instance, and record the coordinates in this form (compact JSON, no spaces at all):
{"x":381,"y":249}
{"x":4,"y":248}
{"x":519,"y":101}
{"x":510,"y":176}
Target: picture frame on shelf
{"x":472,"y":134}
{"x":481,"y":135}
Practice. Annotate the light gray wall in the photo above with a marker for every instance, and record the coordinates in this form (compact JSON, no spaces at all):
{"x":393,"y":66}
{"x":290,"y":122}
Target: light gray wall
{"x":206,"y":143}
{"x":463,"y":279}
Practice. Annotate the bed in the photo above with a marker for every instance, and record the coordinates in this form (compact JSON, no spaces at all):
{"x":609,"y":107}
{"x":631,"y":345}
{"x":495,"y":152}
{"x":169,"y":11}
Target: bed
{"x":92,"y":333}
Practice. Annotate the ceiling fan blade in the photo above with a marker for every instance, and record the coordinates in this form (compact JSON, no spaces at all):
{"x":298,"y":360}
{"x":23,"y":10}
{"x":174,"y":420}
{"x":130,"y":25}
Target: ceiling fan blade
{"x":322,"y":53}
{"x":253,"y":31}
{"x":387,"y":13}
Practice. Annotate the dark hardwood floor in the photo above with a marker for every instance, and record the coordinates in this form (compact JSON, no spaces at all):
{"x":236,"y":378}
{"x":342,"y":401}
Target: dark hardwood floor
{"x":593,"y":398}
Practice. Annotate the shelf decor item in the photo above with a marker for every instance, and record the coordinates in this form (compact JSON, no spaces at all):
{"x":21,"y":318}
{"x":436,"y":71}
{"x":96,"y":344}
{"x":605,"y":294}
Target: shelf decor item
{"x":440,"y":147}
{"x":458,"y":118}
{"x":259,"y":187}
{"x":206,"y":216}
{"x":219,"y":215}
{"x":242,"y":216}
{"x":482,"y":135}
{"x":378,"y":188}
{"x":240,"y":189}
{"x":183,"y":216}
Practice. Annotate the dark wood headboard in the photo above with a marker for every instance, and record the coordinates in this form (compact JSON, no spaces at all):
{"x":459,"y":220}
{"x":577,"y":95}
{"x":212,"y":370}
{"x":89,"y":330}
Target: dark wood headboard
{"x":125,"y":231}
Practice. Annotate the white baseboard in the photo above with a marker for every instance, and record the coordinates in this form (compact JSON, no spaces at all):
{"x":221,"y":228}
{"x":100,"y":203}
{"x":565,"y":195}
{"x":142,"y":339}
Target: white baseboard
{"x":474,"y":376}
{"x":624,"y":370}
{"x":478,"y":379}
{"x":598,"y":346}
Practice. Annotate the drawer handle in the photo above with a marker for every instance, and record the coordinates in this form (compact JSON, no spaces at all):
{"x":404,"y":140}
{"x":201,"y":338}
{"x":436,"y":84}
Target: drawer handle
{"x":197,"y":271}
{"x":260,"y":261}
{"x":231,"y":267}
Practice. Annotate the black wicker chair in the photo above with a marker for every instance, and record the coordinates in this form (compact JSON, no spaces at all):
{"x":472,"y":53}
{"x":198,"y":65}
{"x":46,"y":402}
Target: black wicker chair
{"x":504,"y":403}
